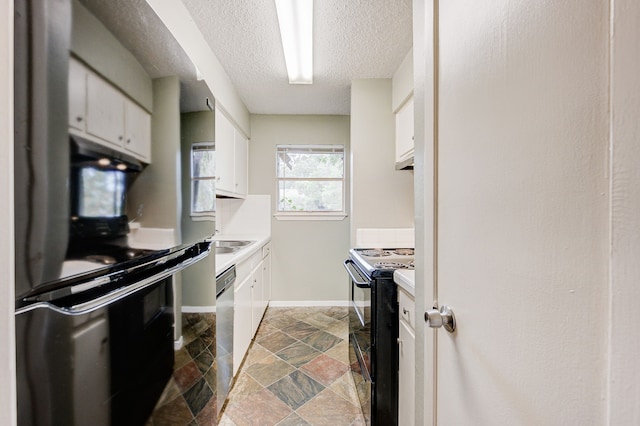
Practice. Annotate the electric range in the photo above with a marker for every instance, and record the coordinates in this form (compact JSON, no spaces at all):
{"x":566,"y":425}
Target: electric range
{"x":373,"y":329}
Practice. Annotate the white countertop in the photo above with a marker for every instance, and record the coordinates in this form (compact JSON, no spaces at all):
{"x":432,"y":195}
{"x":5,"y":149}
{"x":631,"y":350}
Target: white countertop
{"x":406,"y":279}
{"x":224,"y":261}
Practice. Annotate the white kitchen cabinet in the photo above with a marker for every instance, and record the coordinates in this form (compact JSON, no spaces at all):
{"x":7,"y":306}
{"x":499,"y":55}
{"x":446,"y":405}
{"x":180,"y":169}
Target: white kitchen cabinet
{"x":251,"y":297}
{"x":406,"y":359}
{"x":242,"y":318}
{"x":105,"y":111}
{"x":404,"y":132}
{"x":266,"y":274}
{"x":77,"y":94}
{"x":231,"y":158}
{"x":257,"y":302}
{"x":241,"y":159}
{"x":101,"y":113}
{"x":225,"y":153}
{"x":137,"y":130}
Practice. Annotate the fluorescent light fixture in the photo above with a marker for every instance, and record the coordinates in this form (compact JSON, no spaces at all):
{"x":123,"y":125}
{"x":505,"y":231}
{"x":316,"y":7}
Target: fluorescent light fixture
{"x":296,"y":30}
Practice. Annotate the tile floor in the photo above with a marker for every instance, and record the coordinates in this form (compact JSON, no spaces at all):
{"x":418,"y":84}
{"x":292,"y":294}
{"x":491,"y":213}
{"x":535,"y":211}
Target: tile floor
{"x":296,"y":372}
{"x":190,"y":397}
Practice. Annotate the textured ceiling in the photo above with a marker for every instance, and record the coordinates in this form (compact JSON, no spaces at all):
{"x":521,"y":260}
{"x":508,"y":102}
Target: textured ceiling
{"x":352,"y":39}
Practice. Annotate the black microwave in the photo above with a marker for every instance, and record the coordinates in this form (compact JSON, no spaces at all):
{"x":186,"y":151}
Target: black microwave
{"x":99,"y":179}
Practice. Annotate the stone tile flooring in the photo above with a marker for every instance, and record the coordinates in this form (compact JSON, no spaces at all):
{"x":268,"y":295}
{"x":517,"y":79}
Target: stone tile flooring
{"x":190,"y":396}
{"x":296,"y":372}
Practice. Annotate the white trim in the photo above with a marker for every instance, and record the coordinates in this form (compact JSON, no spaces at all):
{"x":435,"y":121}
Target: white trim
{"x":177,"y":344}
{"x":8,"y":414}
{"x":310,"y":216}
{"x":204,"y":217}
{"x":306,"y":303}
{"x":198,"y":309}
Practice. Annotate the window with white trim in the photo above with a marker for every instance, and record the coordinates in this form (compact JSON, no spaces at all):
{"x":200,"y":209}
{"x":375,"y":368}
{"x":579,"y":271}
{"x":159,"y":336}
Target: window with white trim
{"x":310,"y":179}
{"x":203,"y":179}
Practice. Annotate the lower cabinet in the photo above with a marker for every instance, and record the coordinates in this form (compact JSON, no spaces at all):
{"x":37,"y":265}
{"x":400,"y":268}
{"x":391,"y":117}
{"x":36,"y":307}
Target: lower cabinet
{"x":406,"y":359}
{"x":241,"y":321}
{"x":251,"y":297}
{"x":257,"y":302}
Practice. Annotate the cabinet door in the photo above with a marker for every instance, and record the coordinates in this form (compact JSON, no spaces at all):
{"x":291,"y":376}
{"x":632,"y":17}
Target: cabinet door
{"x":404,"y":131}
{"x":406,"y":375}
{"x":225,"y":148}
{"x":77,"y":94}
{"x":105,"y":110}
{"x":137,"y":130}
{"x":241,"y":321}
{"x":257,"y":304}
{"x":266,"y":280}
{"x":241,"y":150}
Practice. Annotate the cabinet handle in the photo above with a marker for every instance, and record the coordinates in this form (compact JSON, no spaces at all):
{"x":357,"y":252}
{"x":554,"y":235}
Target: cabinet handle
{"x":79,"y":119}
{"x":129,"y":140}
{"x":120,"y":138}
{"x":405,"y":311}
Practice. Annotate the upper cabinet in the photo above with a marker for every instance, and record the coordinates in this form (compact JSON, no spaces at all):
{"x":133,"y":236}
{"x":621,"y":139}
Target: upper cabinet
{"x":402,"y":107}
{"x":404,"y":132}
{"x":77,"y":95}
{"x":101,"y":113}
{"x":231,"y":158}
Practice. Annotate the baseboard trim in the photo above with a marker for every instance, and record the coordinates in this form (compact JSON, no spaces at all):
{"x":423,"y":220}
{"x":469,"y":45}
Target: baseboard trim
{"x":177,"y":344}
{"x":307,"y":303}
{"x":198,"y":309}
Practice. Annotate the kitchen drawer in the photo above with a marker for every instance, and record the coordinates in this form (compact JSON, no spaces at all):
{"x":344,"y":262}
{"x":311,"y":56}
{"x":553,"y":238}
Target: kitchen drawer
{"x":266,"y":250}
{"x":407,"y":308}
{"x":256,"y":258}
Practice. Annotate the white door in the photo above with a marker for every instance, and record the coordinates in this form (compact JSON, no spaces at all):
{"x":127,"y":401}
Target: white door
{"x":521,"y":214}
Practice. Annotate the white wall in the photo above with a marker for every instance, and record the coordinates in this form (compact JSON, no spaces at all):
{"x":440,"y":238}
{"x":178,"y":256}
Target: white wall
{"x":95,"y":45}
{"x":307,"y":256}
{"x":381,"y":196}
{"x":7,"y":333}
{"x":624,"y":377}
{"x":178,"y":20}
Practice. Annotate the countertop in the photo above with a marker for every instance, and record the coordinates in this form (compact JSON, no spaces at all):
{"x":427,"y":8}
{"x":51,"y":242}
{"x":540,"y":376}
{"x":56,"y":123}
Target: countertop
{"x":406,"y":279}
{"x":224,"y":261}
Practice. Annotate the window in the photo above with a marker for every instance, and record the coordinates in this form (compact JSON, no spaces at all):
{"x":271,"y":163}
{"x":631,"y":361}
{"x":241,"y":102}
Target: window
{"x":203,"y":180}
{"x":310,"y":180}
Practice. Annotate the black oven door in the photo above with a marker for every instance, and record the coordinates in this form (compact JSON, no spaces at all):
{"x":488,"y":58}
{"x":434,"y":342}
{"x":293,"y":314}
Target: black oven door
{"x":360,"y":335}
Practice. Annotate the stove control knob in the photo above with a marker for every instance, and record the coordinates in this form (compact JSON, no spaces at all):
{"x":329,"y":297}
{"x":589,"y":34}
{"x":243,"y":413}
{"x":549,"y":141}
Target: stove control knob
{"x":441,"y":318}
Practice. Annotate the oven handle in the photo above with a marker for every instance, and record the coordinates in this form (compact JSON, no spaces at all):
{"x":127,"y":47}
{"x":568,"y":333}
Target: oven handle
{"x":361,"y":284}
{"x":109,"y":298}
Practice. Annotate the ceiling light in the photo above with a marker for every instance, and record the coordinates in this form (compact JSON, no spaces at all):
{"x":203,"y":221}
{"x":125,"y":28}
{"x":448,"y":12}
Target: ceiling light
{"x":104,"y":161}
{"x":296,"y":29}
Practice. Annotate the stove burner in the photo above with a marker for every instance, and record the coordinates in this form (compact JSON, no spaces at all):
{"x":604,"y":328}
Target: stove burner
{"x":375,"y":253}
{"x":404,"y":252}
{"x":390,"y":265}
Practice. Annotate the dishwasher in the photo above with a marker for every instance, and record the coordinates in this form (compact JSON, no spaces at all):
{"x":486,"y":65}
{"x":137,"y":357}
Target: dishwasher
{"x":224,"y":333}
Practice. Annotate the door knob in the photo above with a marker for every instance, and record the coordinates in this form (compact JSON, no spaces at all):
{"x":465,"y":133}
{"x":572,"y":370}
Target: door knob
{"x":441,"y":318}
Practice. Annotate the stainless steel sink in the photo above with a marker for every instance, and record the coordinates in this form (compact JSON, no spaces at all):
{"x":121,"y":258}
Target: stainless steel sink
{"x":230,"y":246}
{"x":225,"y":250}
{"x":233,"y":243}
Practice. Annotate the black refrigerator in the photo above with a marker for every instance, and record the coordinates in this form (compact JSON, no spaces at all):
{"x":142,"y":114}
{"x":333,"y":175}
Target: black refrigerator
{"x":94,"y":317}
